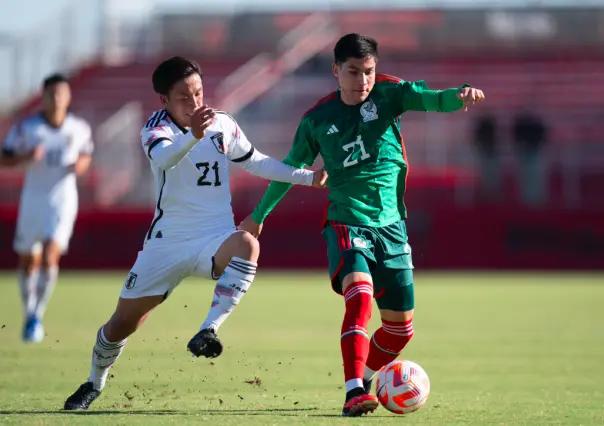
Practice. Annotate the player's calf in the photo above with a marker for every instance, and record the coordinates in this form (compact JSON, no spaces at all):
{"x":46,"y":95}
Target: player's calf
{"x":386,"y":345}
{"x":235,"y":260}
{"x":354,"y":339}
{"x":110,"y":342}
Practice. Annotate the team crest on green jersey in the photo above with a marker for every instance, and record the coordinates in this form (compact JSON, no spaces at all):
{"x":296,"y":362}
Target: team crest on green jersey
{"x":369,"y":111}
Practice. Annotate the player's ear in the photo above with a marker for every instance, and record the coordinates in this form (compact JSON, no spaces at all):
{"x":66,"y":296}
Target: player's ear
{"x":335,"y":69}
{"x":164,"y":100}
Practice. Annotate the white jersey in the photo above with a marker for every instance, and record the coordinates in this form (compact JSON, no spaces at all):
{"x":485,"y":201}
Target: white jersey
{"x":192,"y":179}
{"x":52,"y":180}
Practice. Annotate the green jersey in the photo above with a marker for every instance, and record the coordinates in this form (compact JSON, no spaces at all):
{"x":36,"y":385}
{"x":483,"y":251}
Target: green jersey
{"x":362,"y":150}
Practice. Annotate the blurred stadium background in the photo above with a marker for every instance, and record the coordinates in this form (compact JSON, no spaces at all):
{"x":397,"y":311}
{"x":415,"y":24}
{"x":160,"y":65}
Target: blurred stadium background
{"x":514,"y":184}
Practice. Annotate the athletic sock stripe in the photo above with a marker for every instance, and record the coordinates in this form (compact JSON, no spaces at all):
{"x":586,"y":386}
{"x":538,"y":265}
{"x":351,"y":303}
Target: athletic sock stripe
{"x":348,"y":333}
{"x":105,"y":344}
{"x":358,"y":291}
{"x":244,"y":267}
{"x":357,"y":284}
{"x":243,"y":262}
{"x":243,"y":271}
{"x":398,"y":330}
{"x":382,"y":349}
{"x":250,"y":266}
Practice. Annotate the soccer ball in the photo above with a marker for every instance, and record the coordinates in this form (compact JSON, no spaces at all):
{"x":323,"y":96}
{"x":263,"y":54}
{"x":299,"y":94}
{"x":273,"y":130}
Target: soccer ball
{"x":402,"y":387}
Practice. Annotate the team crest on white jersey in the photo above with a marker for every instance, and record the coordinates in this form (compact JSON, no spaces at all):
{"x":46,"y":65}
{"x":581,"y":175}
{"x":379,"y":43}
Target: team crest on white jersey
{"x":218,"y":141}
{"x":369,"y":111}
{"x":131,"y":280}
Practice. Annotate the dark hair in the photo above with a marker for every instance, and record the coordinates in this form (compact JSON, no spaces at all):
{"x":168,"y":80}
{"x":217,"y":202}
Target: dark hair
{"x":53,"y":79}
{"x":171,"y":71}
{"x":355,"y":46}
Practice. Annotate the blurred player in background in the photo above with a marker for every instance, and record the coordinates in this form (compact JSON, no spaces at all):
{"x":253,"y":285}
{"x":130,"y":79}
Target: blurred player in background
{"x":189,"y":146}
{"x":356,"y":129}
{"x":55,"y":146}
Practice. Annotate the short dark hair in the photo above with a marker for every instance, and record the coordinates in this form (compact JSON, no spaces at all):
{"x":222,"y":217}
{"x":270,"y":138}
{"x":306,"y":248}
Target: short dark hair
{"x":355,"y":46}
{"x":53,"y":79}
{"x":171,"y":71}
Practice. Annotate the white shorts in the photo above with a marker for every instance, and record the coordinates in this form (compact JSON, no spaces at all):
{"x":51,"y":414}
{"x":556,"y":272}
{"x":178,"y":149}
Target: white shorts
{"x":38,"y":225}
{"x":163,"y":264}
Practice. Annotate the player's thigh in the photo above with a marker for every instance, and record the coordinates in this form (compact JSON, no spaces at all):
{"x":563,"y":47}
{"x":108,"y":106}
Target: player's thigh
{"x":158,"y":270}
{"x":348,"y":263}
{"x":393,"y":249}
{"x":51,"y":253}
{"x":59,"y":227}
{"x":29,"y":231}
{"x":216,"y":252}
{"x":29,"y":262}
{"x":395,"y":293}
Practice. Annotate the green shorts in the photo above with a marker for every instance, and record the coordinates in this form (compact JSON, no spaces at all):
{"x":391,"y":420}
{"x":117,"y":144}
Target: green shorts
{"x":383,"y":252}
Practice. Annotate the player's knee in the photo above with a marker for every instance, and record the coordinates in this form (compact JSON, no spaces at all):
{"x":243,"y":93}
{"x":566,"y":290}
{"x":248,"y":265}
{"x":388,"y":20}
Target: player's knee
{"x":248,"y":246}
{"x":355,"y":277}
{"x":399,"y":325}
{"x":388,"y":315}
{"x":29,"y":263}
{"x":50,"y":255}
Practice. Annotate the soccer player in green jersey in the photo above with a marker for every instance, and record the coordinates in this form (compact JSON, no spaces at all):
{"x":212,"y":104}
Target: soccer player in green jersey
{"x":357,"y":131}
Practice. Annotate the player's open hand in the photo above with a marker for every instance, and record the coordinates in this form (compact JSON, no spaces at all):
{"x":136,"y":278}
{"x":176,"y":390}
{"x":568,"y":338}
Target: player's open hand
{"x":201,"y":119}
{"x":319,"y":179}
{"x":470,"y":96}
{"x":248,"y":224}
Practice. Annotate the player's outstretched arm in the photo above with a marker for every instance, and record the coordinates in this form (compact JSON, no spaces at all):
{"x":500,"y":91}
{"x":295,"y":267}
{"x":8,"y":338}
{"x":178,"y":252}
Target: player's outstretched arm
{"x":417,"y":97}
{"x":304,"y":152}
{"x":267,"y":167}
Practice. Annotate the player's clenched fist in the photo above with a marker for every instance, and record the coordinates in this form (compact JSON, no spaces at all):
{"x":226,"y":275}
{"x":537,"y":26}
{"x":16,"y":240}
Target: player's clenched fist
{"x":470,"y":96}
{"x":200,"y":120}
{"x":319,"y":179}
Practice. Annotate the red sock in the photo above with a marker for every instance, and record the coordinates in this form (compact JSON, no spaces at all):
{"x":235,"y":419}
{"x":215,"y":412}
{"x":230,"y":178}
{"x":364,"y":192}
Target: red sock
{"x":388,"y":342}
{"x":354,"y":339}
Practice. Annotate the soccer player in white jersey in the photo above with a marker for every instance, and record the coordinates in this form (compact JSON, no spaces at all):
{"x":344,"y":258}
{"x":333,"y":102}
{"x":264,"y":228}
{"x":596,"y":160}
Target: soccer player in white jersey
{"x":55,"y":146}
{"x":189,"y":146}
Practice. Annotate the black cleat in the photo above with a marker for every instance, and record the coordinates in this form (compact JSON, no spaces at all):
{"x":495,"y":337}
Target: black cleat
{"x":82,"y":398}
{"x":205,"y":343}
{"x":367,"y":385}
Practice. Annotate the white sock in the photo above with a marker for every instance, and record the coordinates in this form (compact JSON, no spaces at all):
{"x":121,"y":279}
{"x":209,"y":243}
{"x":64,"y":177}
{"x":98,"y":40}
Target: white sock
{"x":27,"y":285}
{"x":45,"y":288}
{"x":104,"y":355}
{"x":369,"y":374}
{"x":230,"y":288}
{"x":353,"y":384}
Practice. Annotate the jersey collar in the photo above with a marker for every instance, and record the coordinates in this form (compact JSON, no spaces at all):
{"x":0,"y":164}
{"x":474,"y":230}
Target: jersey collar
{"x":182,"y":129}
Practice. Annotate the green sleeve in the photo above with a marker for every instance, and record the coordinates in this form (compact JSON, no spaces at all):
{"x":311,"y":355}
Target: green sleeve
{"x":415,"y":96}
{"x":303,"y":153}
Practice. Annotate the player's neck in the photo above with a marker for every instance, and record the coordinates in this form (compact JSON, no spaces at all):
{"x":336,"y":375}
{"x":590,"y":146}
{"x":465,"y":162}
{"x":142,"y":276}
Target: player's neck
{"x":182,"y":128}
{"x":55,"y":118}
{"x":347,"y":99}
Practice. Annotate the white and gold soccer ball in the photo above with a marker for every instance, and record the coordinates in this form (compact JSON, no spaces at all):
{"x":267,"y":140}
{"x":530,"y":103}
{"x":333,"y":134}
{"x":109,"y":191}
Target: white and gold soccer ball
{"x":402,"y":387}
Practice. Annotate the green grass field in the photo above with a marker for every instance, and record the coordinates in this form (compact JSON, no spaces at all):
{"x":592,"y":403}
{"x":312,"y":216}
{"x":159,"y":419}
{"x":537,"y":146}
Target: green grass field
{"x":501,"y":349}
